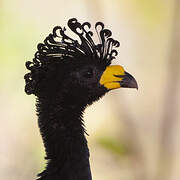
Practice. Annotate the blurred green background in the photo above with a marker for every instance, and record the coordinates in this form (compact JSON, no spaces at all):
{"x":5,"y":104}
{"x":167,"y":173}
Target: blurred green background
{"x":134,"y":135}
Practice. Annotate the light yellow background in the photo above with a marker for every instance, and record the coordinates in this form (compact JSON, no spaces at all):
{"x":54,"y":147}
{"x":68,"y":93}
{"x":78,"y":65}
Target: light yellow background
{"x":134,"y":135}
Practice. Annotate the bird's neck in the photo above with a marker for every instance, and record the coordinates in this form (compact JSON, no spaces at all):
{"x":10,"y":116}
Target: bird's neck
{"x":62,"y":130}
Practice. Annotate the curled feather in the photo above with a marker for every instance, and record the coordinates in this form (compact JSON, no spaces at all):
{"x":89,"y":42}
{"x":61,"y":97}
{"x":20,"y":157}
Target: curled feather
{"x":59,"y":45}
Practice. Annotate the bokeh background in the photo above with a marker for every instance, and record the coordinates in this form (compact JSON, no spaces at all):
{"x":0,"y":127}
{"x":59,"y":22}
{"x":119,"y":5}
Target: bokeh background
{"x":134,"y":135}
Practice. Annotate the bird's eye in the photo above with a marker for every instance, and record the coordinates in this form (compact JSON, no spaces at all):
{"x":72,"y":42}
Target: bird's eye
{"x":88,"y":73}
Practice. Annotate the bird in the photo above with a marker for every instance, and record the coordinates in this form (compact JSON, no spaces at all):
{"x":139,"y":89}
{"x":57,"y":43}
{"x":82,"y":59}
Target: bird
{"x":66,"y":75}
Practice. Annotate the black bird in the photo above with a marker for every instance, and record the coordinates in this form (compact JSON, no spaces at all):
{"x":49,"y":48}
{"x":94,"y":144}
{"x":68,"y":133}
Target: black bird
{"x":66,"y":76}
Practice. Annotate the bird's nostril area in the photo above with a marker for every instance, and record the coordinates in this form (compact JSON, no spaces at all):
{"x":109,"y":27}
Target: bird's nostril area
{"x":120,"y":76}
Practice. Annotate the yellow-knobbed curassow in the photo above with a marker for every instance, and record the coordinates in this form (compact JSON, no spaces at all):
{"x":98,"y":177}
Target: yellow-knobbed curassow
{"x":66,"y":75}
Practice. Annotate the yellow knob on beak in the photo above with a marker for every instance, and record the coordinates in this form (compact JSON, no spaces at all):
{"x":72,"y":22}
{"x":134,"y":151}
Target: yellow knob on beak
{"x":116,"y":77}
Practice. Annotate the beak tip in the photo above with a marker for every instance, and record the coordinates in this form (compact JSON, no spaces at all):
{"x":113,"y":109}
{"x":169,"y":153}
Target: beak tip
{"x":136,"y":86}
{"x":129,"y":81}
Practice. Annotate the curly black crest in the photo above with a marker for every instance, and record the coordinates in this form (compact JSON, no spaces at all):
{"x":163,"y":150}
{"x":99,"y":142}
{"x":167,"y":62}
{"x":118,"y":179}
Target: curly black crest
{"x":58,"y":46}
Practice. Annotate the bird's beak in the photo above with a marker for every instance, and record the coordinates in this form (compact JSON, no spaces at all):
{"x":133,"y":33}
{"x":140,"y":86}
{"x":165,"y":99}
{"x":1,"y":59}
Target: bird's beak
{"x":116,"y":77}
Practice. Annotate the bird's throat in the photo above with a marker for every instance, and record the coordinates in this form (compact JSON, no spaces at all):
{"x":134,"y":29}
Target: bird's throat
{"x":62,"y":130}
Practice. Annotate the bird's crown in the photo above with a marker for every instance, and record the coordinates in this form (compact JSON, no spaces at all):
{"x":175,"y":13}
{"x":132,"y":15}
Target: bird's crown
{"x":60,"y":46}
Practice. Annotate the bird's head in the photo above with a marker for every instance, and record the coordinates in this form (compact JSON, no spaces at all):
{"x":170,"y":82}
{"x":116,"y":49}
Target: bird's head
{"x":80,"y":72}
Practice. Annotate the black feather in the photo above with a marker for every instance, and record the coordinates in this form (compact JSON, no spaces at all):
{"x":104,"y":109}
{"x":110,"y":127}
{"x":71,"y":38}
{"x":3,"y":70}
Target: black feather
{"x":64,"y":75}
{"x":58,"y":46}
